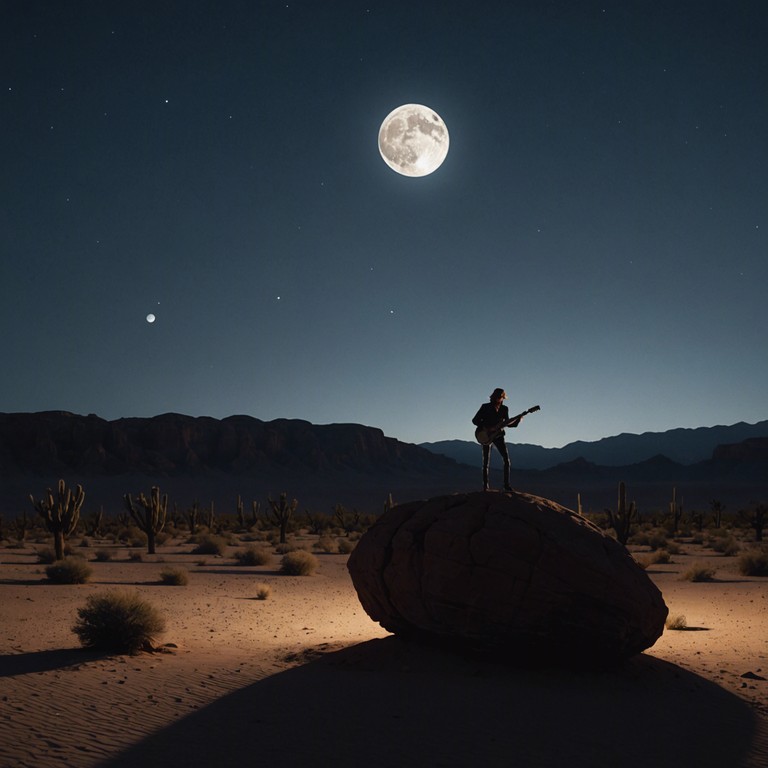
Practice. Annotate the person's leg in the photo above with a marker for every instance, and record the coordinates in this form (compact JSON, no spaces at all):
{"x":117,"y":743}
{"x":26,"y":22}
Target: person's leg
{"x":501,"y":447}
{"x":486,"y":464}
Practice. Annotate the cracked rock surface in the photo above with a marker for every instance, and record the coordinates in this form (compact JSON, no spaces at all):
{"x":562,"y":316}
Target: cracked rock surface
{"x":506,"y":572}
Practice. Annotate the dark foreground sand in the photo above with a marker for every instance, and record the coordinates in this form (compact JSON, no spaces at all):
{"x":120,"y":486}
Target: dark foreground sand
{"x":305,"y":677}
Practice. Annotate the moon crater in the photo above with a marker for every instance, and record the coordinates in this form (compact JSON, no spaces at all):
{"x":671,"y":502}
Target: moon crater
{"x":413,"y":140}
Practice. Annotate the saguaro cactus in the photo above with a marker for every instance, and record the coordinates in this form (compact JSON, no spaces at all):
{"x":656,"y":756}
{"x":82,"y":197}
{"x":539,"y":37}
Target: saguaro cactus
{"x":281,"y":512}
{"x":149,"y":515}
{"x":621,"y":520}
{"x":61,"y":514}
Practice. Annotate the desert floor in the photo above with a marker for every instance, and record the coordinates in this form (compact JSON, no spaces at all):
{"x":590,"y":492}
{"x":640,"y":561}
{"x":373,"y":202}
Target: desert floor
{"x":305,"y":677}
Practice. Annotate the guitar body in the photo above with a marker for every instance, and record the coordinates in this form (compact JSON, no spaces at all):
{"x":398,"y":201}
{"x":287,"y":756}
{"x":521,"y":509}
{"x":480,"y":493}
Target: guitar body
{"x":486,"y":435}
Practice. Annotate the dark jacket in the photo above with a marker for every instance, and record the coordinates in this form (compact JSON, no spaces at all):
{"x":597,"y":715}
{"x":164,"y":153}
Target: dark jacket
{"x":488,"y":416}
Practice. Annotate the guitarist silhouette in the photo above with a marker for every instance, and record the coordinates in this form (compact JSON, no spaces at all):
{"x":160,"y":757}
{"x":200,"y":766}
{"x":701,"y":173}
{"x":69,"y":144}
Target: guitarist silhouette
{"x":490,"y":421}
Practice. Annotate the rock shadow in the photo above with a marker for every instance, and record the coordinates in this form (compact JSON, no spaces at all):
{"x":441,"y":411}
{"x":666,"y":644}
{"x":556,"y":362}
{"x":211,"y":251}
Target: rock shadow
{"x":387,"y":703}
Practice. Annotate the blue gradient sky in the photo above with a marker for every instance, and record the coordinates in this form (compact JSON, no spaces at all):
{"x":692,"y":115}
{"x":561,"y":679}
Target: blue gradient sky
{"x":595,"y":241}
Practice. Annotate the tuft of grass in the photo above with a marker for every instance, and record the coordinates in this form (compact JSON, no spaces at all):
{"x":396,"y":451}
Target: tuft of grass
{"x":70,"y":570}
{"x":754,"y":562}
{"x":174,"y":577}
{"x":253,"y":555}
{"x":676,"y":622}
{"x":120,"y":622}
{"x":298,"y":562}
{"x":263,"y":591}
{"x":136,"y":557}
{"x":102,"y":555}
{"x":699,"y":572}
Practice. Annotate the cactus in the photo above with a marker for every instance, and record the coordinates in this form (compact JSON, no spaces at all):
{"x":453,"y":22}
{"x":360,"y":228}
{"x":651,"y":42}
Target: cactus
{"x":149,"y":514}
{"x":61,"y":514}
{"x":20,"y":527}
{"x":93,"y":525}
{"x":255,"y":510}
{"x":621,"y":520}
{"x":346,"y":520}
{"x":240,"y":513}
{"x":717,"y":512}
{"x":210,"y":518}
{"x":281,"y":513}
{"x":675,"y":511}
{"x":192,"y":514}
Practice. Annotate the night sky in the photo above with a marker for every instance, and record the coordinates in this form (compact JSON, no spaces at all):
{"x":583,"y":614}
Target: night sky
{"x":595,"y":241}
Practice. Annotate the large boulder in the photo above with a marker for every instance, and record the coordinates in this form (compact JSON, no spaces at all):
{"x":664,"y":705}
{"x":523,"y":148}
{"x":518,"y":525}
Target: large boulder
{"x":506,"y":572}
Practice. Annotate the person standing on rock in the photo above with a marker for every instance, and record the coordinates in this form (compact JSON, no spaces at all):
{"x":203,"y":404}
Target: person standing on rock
{"x":490,"y":421}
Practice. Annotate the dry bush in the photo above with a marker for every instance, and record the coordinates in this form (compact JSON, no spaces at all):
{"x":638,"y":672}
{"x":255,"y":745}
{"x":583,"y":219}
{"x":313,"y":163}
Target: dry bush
{"x":102,"y":555}
{"x":299,"y":562}
{"x":699,"y":572}
{"x":676,"y":622}
{"x":48,"y":554}
{"x":754,"y":562}
{"x":727,"y":545}
{"x":174,"y":577}
{"x":263,"y":591}
{"x":345,"y":546}
{"x":136,"y":557}
{"x":326,"y":544}
{"x":120,"y":622}
{"x":253,"y":555}
{"x":208,"y":544}
{"x":70,"y":570}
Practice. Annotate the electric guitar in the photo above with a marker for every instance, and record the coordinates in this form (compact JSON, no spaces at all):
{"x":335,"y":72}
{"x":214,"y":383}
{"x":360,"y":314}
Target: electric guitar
{"x":486,"y":435}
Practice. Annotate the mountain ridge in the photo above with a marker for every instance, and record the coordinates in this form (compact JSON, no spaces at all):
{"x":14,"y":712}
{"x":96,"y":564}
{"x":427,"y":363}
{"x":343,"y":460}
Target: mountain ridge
{"x":206,"y":459}
{"x":682,"y":444}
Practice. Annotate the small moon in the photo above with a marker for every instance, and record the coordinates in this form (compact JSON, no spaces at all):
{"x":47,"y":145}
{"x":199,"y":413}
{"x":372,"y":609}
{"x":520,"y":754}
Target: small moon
{"x":413,"y":140}
{"x":151,"y":318}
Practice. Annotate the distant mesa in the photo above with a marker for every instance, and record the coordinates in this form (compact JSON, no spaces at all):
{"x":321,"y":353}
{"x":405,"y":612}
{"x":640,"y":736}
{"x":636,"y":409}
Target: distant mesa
{"x":506,"y":573}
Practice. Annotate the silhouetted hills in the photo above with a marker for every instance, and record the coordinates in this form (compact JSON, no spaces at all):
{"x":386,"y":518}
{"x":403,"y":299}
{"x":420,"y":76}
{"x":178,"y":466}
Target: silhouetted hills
{"x":684,"y":446}
{"x":206,"y":459}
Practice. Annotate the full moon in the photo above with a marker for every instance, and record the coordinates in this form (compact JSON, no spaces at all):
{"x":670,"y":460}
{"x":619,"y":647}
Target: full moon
{"x":413,"y":140}
{"x":150,"y":318}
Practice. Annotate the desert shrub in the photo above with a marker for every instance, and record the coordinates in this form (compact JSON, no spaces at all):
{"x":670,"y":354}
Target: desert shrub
{"x":209,"y":544}
{"x":754,"y":562}
{"x":298,"y":562}
{"x":136,"y":557}
{"x":326,"y":544}
{"x":121,"y":622}
{"x":657,"y":540}
{"x":288,"y":546}
{"x":345,"y":546}
{"x":253,"y":555}
{"x":699,"y":572}
{"x":673,"y":548}
{"x":174,"y":577}
{"x":676,"y":622}
{"x":661,"y":556}
{"x":263,"y":591}
{"x":48,"y":554}
{"x":70,"y":570}
{"x":161,"y":537}
{"x":102,"y":555}
{"x":727,"y":545}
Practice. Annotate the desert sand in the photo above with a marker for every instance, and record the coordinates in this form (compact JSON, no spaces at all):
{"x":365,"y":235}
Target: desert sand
{"x":305,"y":677}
